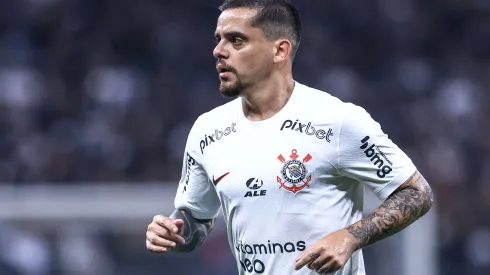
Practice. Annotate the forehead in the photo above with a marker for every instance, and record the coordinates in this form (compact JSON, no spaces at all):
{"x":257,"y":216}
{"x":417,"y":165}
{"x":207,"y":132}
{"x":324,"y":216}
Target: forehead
{"x":236,"y":19}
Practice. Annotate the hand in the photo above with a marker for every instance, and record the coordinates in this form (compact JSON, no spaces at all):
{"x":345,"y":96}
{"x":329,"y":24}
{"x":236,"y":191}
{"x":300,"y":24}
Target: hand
{"x":163,"y":234}
{"x":328,"y":254}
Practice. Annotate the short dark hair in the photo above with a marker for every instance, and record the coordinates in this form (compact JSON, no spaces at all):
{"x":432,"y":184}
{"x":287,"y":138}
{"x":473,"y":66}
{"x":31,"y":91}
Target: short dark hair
{"x":277,"y":19}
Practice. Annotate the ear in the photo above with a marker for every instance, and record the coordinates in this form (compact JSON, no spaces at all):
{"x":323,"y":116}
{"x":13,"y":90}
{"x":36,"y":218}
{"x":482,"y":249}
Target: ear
{"x":282,"y":50}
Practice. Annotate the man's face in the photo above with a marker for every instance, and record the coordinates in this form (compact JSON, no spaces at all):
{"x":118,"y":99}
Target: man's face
{"x":243,"y":53}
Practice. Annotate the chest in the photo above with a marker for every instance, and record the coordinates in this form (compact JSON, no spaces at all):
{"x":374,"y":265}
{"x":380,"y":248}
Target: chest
{"x":257,"y":163}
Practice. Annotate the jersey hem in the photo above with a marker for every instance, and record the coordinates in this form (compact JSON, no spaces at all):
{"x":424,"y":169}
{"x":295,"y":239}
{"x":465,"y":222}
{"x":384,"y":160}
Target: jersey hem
{"x":388,"y":189}
{"x":197,"y":214}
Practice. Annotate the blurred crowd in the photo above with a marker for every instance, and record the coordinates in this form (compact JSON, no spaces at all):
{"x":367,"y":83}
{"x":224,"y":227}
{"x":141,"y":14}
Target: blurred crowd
{"x":106,"y":91}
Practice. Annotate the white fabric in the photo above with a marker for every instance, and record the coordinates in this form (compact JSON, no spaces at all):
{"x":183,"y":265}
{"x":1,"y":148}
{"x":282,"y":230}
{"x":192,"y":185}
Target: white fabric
{"x":291,"y":179}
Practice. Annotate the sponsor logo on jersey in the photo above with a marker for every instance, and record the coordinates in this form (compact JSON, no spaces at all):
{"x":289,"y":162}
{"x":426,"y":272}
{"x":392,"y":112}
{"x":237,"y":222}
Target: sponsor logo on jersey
{"x":294,"y":174}
{"x":218,"y":179}
{"x":270,"y":248}
{"x":307,"y":129}
{"x":188,"y":163}
{"x":255,"y":184}
{"x":377,"y":157}
{"x":252,"y":263}
{"x":217,"y":135}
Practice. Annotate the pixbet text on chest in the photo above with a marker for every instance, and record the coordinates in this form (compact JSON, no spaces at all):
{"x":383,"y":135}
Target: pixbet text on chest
{"x":217,"y":135}
{"x":307,"y":129}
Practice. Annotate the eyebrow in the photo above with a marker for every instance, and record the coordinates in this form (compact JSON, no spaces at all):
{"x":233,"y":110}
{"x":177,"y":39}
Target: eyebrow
{"x":231,"y":33}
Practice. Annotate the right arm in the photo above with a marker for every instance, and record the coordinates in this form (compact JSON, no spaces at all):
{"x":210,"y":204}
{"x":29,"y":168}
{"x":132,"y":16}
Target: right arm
{"x":196,"y":206}
{"x":194,"y":230}
{"x":179,"y":232}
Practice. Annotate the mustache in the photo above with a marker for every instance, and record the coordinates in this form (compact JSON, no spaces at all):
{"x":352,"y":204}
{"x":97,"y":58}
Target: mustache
{"x":226,"y":67}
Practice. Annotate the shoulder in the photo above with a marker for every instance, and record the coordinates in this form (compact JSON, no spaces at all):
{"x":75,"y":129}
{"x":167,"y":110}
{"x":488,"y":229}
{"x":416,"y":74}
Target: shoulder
{"x":315,"y":96}
{"x":220,"y":113}
{"x":326,"y":105}
{"x":221,"y":116}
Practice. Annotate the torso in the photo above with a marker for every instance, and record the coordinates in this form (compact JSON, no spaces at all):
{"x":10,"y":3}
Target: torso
{"x":281,"y":190}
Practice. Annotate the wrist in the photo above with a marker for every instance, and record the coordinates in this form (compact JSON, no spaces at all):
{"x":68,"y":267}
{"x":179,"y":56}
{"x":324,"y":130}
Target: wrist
{"x":351,"y":239}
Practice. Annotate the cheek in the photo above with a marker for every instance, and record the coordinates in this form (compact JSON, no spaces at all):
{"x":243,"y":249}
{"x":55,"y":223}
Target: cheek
{"x":256,"y":62}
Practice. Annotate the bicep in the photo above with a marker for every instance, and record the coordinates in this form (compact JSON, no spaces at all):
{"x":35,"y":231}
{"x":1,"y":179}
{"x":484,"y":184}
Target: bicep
{"x":417,"y":182}
{"x":369,"y":156}
{"x":196,"y":194}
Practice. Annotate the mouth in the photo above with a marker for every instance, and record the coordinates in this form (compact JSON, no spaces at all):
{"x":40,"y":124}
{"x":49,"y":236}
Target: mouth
{"x":224,"y":72}
{"x":222,"y":68}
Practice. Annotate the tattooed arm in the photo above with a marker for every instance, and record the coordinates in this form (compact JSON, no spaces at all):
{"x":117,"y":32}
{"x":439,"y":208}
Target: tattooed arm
{"x":410,"y":201}
{"x":404,"y":206}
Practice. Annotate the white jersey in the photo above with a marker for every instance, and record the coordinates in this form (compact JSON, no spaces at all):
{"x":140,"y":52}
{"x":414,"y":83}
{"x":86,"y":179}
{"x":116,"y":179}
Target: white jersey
{"x":285,"y":182}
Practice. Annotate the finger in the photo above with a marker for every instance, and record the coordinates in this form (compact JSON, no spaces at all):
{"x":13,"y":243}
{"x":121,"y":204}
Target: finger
{"x":158,"y":231}
{"x":176,"y":238}
{"x":180,"y":225}
{"x":154,"y":248}
{"x":323,"y":270}
{"x":167,"y":223}
{"x":179,"y":222}
{"x":319,"y":262}
{"x":159,"y":241}
{"x":308,"y":257}
{"x":165,"y":233}
{"x":330,"y":266}
{"x":301,"y":255}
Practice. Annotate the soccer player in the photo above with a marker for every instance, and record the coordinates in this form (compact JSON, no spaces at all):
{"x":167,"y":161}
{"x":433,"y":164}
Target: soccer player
{"x":287,"y":164}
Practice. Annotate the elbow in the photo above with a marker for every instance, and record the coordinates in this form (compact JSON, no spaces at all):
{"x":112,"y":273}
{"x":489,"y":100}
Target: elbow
{"x":428,"y":200}
{"x":422,"y":192}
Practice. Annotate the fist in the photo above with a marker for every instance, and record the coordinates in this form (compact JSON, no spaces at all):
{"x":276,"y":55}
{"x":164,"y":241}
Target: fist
{"x":164,"y":234}
{"x":328,"y":254}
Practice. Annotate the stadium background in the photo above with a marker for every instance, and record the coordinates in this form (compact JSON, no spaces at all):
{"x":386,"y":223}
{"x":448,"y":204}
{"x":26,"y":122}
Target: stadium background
{"x":97,"y":98}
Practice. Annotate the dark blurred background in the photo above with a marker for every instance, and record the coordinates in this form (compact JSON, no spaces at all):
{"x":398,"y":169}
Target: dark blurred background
{"x":101,"y":94}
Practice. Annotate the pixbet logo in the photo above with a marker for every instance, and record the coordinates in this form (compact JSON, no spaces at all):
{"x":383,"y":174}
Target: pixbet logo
{"x":373,"y":154}
{"x":217,"y":135}
{"x":307,"y":129}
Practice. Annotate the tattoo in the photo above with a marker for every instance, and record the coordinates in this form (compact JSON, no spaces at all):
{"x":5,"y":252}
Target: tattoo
{"x":411,"y":201}
{"x":317,"y":265}
{"x":314,"y":255}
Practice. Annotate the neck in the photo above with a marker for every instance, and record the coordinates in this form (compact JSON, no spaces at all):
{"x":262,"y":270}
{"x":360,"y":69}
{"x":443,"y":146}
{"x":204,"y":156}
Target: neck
{"x":267,"y":98}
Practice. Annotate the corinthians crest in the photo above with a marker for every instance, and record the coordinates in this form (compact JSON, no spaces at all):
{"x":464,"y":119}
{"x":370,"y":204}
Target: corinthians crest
{"x":294,"y":175}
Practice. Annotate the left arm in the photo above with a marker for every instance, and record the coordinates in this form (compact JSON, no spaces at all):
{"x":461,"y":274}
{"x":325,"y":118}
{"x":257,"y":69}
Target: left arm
{"x":410,"y":201}
{"x":366,"y":155}
{"x":405,"y":205}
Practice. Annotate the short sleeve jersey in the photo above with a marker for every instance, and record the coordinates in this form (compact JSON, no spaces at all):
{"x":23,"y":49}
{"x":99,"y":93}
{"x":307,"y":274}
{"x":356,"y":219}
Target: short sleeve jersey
{"x":285,"y":182}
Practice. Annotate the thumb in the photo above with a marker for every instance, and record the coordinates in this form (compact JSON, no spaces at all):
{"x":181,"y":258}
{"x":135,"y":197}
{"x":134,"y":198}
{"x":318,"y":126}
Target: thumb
{"x":180,"y":225}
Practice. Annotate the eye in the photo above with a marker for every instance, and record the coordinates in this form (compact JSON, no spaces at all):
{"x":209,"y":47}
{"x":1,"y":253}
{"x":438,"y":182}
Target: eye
{"x":236,"y":40}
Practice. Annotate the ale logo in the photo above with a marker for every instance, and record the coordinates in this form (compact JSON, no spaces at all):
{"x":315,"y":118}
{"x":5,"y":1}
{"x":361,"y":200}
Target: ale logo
{"x":254,"y":184}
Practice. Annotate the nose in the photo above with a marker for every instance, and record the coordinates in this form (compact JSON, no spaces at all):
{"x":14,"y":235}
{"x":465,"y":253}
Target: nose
{"x":219,"y":51}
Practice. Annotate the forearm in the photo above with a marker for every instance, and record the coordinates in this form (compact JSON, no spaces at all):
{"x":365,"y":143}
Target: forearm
{"x":411,"y":201}
{"x":194,"y":232}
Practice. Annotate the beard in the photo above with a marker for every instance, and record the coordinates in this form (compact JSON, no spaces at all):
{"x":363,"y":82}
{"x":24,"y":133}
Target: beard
{"x":231,"y":89}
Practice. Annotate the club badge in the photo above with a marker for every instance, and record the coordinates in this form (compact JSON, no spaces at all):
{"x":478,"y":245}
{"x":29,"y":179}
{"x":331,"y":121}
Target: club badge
{"x":294,"y":175}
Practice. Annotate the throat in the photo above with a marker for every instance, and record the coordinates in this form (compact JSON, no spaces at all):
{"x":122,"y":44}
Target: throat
{"x":265,"y":104}
{"x":264,"y":108}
